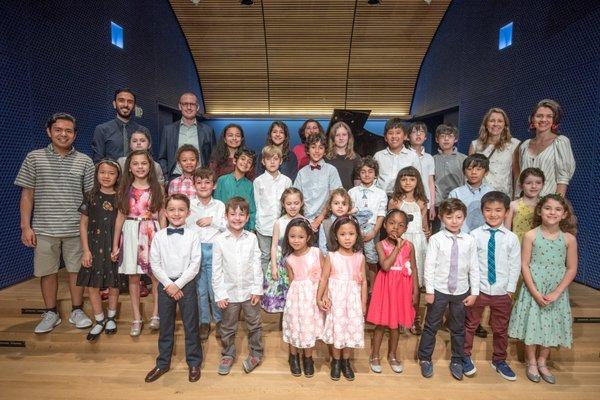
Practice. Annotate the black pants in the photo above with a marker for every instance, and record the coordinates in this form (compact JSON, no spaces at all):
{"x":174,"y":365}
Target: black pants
{"x":456,"y":325}
{"x":188,"y":307}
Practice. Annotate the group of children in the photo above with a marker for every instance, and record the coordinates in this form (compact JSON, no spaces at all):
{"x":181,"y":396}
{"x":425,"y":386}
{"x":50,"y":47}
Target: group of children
{"x":317,"y":257}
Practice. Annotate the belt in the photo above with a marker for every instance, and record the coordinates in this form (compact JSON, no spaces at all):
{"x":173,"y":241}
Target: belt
{"x":140,"y":219}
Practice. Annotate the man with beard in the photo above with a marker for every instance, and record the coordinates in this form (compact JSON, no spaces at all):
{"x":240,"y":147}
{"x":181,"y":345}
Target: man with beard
{"x":111,"y":139}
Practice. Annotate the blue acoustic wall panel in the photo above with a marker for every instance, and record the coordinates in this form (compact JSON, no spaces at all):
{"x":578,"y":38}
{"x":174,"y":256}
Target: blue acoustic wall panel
{"x":57,"y":56}
{"x":555,"y":53}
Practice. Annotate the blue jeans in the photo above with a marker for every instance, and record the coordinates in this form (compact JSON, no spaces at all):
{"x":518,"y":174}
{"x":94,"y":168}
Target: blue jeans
{"x":206,"y":296}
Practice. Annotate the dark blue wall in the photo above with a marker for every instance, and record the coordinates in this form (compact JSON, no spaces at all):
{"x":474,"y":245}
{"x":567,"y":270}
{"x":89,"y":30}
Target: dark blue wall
{"x":57,"y":56}
{"x":555,"y":54}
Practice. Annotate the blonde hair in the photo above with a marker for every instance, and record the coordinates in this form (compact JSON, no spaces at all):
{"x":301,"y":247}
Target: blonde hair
{"x":484,"y":135}
{"x":271,"y":151}
{"x":350,"y":154}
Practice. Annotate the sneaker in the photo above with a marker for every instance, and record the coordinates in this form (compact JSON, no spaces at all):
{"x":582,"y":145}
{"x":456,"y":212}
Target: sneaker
{"x":79,"y":319}
{"x":468,"y":366}
{"x":504,"y":370}
{"x":426,"y":369}
{"x":50,"y":319}
{"x":154,"y":323}
{"x":481,"y":332}
{"x":225,"y":365}
{"x":250,"y":363}
{"x":456,"y":369}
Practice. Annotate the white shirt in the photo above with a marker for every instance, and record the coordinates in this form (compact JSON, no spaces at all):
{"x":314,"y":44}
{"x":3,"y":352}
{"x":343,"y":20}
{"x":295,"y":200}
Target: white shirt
{"x":426,"y":168}
{"x":437,"y":263}
{"x":267,"y":197}
{"x":236,"y":270}
{"x":369,"y":198}
{"x":508,"y":260}
{"x":390,"y":164}
{"x":175,"y":258}
{"x":215,"y":209}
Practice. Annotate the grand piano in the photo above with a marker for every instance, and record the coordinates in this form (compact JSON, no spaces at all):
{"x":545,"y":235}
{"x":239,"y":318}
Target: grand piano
{"x":365,"y":143}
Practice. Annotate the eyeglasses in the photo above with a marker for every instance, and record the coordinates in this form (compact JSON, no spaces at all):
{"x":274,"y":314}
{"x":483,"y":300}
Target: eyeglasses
{"x":191,"y":105}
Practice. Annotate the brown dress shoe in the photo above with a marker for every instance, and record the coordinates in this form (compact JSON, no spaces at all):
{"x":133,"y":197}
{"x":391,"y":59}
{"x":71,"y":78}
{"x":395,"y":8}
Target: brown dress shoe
{"x":194,"y":374}
{"x":155,"y":374}
{"x":204,"y":331}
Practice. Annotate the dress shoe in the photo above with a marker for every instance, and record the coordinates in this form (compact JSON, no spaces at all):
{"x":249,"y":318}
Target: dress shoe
{"x":336,"y":369}
{"x":294,"y":361}
{"x":347,"y":369}
{"x":309,"y":366}
{"x":204,"y":331}
{"x":155,"y":374}
{"x":194,"y":374}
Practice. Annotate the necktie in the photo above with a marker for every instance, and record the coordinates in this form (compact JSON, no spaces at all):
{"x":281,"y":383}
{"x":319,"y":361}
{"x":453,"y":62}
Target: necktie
{"x":315,"y":167}
{"x":171,"y":231}
{"x":125,"y":141}
{"x":492,"y":257}
{"x":364,"y":197}
{"x":453,"y":275}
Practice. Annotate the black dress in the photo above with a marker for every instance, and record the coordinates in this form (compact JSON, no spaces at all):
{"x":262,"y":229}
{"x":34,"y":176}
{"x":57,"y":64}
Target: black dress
{"x":101,"y":212}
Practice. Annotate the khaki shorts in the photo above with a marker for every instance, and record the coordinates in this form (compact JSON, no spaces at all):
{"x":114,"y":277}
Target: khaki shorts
{"x":46,"y":256}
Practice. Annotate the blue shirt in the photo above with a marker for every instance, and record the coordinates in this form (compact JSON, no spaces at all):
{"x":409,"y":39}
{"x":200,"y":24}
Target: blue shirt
{"x":472,"y":198}
{"x":316,"y":184}
{"x":228,"y":187}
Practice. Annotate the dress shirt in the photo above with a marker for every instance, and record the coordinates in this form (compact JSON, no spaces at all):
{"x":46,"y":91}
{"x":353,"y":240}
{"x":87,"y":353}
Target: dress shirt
{"x":316,"y":185}
{"x":188,"y":134}
{"x":228,"y":186}
{"x":236,"y":270}
{"x":471,"y":197}
{"x":390,"y":164}
{"x":215,"y":209}
{"x":267,"y":196}
{"x":448,"y":174}
{"x":107,"y":141}
{"x":426,"y":168}
{"x":437,"y":263}
{"x":370,"y":198}
{"x":175,"y":257}
{"x":184,"y":185}
{"x":508,"y":260}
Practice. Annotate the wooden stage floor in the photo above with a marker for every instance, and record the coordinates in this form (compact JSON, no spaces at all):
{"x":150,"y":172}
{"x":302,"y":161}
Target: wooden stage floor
{"x":63,"y":365}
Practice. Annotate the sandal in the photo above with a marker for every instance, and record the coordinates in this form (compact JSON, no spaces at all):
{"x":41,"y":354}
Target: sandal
{"x":375,"y":364}
{"x":546,"y":376}
{"x":136,"y":328}
{"x":111,"y":331}
{"x":532,"y":376}
{"x":395,"y":364}
{"x":154,"y":323}
{"x":93,"y":336}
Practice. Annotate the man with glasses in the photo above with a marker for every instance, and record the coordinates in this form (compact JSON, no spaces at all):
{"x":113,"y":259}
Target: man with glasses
{"x":111,"y":139}
{"x":188,"y":130}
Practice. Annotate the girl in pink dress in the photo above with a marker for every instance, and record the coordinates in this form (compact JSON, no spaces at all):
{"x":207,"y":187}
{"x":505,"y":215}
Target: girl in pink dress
{"x":395,"y":290}
{"x":302,"y":321}
{"x":343,"y":295}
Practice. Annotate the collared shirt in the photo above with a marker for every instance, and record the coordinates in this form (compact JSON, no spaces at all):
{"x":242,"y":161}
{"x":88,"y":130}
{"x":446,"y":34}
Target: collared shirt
{"x":58,"y":185}
{"x":448,"y":174}
{"x":228,"y":186}
{"x":426,"y":168}
{"x":236,"y":270}
{"x":267,"y":196}
{"x":188,"y":134}
{"x":184,"y":185}
{"x":508,"y":260}
{"x":316,"y":185}
{"x":215,"y":209}
{"x":175,"y":258}
{"x":107,"y":141}
{"x":472,"y":198}
{"x":369,"y":198}
{"x":390,"y":164}
{"x":437,"y":263}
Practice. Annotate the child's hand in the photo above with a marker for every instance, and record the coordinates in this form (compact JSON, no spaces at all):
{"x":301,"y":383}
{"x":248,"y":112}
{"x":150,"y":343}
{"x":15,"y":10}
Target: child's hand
{"x":324,"y":303}
{"x":28,"y":237}
{"x":368,"y":236}
{"x":426,"y":231}
{"x":364,"y":308}
{"x":429,"y":298}
{"x":274,"y":273}
{"x":222,"y":304}
{"x":172,"y":290}
{"x":255,"y":299}
{"x":86,"y":259}
{"x":432,"y":213}
{"x":470,"y":300}
{"x":315,"y":224}
{"x":178,"y":295}
{"x":203,"y":222}
{"x":114,"y":255}
{"x":551,"y":297}
{"x":416,"y":300}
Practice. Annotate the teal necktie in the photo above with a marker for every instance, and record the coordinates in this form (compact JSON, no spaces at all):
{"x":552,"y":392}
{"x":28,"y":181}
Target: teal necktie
{"x":492,"y":257}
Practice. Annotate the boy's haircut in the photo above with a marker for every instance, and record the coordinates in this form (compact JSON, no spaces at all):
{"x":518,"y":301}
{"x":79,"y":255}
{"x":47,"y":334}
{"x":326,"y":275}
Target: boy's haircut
{"x":204,"y":173}
{"x":393,"y":123}
{"x":477,"y":160}
{"x":418,"y":126}
{"x":237,"y":202}
{"x":178,"y":196}
{"x":64,"y":116}
{"x":569,"y":224}
{"x":271,"y":151}
{"x":444,"y":129}
{"x":302,"y":222}
{"x":312,"y":139}
{"x":244,"y":151}
{"x":370,"y":162}
{"x":495,"y":196}
{"x":333,"y":244}
{"x":343,"y":194}
{"x":187,"y":147}
{"x":449,"y":206}
{"x":287,"y":192}
{"x":124,"y":90}
{"x":531,"y":172}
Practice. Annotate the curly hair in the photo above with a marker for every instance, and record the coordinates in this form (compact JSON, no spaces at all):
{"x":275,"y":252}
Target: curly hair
{"x":568,"y":224}
{"x":285,"y":146}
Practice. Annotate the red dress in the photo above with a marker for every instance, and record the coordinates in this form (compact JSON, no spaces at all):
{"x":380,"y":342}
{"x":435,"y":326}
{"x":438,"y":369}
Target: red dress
{"x":391,"y":299}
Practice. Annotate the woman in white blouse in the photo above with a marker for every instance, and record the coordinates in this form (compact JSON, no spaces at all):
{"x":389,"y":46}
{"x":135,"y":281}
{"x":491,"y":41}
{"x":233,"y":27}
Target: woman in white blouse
{"x":496,"y":143}
{"x":548,"y":150}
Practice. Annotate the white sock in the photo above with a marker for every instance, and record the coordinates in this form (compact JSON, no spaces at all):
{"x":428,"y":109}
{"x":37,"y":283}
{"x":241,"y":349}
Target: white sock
{"x":99,"y":317}
{"x":112,"y":313}
{"x":97,"y":328}
{"x":111,"y":324}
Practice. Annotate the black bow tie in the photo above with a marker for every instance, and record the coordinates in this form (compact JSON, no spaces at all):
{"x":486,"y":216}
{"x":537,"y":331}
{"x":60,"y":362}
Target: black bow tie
{"x":315,"y":167}
{"x":171,"y":231}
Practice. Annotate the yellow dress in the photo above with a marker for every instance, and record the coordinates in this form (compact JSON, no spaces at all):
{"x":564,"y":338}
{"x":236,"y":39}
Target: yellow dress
{"x":522,"y":219}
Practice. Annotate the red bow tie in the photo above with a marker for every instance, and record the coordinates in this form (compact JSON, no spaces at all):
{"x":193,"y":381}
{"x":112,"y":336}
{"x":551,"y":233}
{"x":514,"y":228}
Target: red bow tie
{"x":315,"y":167}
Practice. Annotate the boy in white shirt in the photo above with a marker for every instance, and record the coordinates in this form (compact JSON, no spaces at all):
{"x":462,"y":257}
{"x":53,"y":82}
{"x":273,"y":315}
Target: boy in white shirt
{"x":207,"y":216}
{"x":238,"y":284}
{"x":417,"y":136}
{"x":175,"y":261}
{"x":395,"y":157}
{"x":451,"y":266}
{"x":268,"y":188}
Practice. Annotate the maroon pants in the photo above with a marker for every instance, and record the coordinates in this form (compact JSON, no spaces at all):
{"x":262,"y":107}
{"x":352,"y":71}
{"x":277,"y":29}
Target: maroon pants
{"x":500,"y":308}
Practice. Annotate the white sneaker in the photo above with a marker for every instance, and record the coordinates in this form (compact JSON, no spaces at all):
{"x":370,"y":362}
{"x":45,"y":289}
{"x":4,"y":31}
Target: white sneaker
{"x":79,"y":319}
{"x":50,"y":319}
